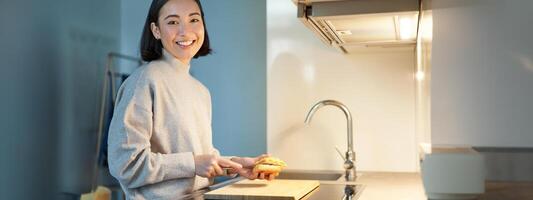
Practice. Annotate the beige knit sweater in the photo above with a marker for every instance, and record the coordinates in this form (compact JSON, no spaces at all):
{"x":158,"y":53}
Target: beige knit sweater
{"x":161,"y":119}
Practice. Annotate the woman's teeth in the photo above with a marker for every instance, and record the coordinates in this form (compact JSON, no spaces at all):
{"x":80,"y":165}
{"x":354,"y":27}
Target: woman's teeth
{"x":185,"y":43}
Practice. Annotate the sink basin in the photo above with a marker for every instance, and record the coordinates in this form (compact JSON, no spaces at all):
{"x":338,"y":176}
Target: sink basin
{"x":310,"y":175}
{"x":337,"y":191}
{"x":332,"y":184}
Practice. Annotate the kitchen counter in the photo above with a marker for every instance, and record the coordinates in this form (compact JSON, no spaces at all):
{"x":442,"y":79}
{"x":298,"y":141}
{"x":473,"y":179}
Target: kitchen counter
{"x":375,"y":186}
{"x":517,"y":190}
{"x":383,"y":185}
{"x":391,"y":185}
{"x":408,"y":186}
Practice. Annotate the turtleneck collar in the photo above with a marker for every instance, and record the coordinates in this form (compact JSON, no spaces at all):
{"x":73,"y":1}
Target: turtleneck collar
{"x":174,"y":62}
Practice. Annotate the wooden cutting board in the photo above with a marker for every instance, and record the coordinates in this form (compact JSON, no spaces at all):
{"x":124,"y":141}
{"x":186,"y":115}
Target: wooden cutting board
{"x":278,"y":189}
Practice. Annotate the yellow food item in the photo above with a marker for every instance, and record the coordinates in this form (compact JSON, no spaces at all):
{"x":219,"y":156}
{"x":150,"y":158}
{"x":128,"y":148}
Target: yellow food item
{"x":101,"y":193}
{"x":270,"y":165}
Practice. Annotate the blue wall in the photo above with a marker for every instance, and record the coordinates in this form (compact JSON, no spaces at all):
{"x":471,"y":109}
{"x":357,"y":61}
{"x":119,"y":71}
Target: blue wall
{"x":52,"y":66}
{"x":236,"y":74}
{"x":28,"y":119}
{"x":89,"y":31}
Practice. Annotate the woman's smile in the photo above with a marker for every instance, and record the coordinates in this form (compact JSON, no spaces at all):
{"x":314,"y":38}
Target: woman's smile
{"x":185,"y":43}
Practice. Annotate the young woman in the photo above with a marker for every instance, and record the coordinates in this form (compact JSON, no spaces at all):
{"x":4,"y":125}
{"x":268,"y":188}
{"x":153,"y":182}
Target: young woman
{"x":160,"y":136}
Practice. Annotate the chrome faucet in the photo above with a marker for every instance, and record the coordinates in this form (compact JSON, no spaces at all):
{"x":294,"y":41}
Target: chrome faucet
{"x":349,"y":158}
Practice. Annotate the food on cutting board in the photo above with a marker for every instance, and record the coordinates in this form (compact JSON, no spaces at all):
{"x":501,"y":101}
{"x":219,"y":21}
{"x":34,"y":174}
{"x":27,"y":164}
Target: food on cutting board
{"x":271,"y":165}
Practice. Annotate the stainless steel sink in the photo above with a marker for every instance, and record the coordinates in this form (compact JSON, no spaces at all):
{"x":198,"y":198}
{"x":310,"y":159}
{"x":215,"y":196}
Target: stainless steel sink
{"x":337,"y":191}
{"x":332,"y":184}
{"x":311,"y":175}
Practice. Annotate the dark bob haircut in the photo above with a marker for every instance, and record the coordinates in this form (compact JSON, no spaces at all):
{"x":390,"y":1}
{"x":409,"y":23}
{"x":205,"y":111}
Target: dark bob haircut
{"x":152,"y":48}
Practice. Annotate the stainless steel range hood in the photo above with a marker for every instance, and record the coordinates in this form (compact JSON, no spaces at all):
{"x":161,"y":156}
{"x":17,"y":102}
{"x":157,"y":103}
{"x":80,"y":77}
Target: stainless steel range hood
{"x":354,"y":25}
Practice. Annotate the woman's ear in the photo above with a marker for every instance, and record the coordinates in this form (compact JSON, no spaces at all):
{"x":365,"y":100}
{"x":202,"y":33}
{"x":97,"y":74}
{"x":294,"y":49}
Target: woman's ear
{"x":155,"y":31}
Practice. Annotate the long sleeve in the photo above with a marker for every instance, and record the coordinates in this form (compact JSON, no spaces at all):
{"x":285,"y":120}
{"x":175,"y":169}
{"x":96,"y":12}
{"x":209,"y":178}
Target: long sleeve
{"x":131,"y":159}
{"x":162,"y":119}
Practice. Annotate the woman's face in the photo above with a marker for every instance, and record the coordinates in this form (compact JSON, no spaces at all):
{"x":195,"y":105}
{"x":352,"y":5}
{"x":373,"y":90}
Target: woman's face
{"x":180,"y":29}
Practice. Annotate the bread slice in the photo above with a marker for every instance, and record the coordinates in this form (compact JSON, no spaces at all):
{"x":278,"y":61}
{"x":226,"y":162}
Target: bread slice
{"x":269,"y":165}
{"x":264,"y":168}
{"x":272,"y":161}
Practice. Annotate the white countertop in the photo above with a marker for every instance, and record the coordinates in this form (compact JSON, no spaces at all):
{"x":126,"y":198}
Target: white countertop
{"x":391,"y":185}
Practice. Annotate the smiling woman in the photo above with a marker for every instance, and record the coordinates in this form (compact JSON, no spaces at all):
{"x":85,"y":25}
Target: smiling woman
{"x":160,"y":142}
{"x":165,"y":28}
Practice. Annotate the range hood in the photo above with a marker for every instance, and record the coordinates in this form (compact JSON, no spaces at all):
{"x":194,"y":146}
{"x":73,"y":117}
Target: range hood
{"x":354,"y":25}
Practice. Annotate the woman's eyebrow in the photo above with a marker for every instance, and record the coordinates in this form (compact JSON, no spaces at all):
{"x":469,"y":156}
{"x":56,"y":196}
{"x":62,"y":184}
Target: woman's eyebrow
{"x":169,"y":16}
{"x":177,"y":16}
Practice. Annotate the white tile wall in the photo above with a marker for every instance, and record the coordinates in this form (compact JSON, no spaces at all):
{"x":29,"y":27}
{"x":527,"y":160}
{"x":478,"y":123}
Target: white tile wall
{"x":378,"y":88}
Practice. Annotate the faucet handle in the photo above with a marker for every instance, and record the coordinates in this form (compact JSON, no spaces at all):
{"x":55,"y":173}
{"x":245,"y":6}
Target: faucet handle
{"x":340,"y":154}
{"x":348,"y":164}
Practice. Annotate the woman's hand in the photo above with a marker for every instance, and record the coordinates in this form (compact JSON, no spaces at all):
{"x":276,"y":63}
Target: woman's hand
{"x":248,"y":165}
{"x":209,"y":166}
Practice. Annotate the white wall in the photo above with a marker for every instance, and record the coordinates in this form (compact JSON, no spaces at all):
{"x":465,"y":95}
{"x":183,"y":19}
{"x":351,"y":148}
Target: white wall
{"x":378,"y":88}
{"x":482,"y":73}
{"x":423,"y":75}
